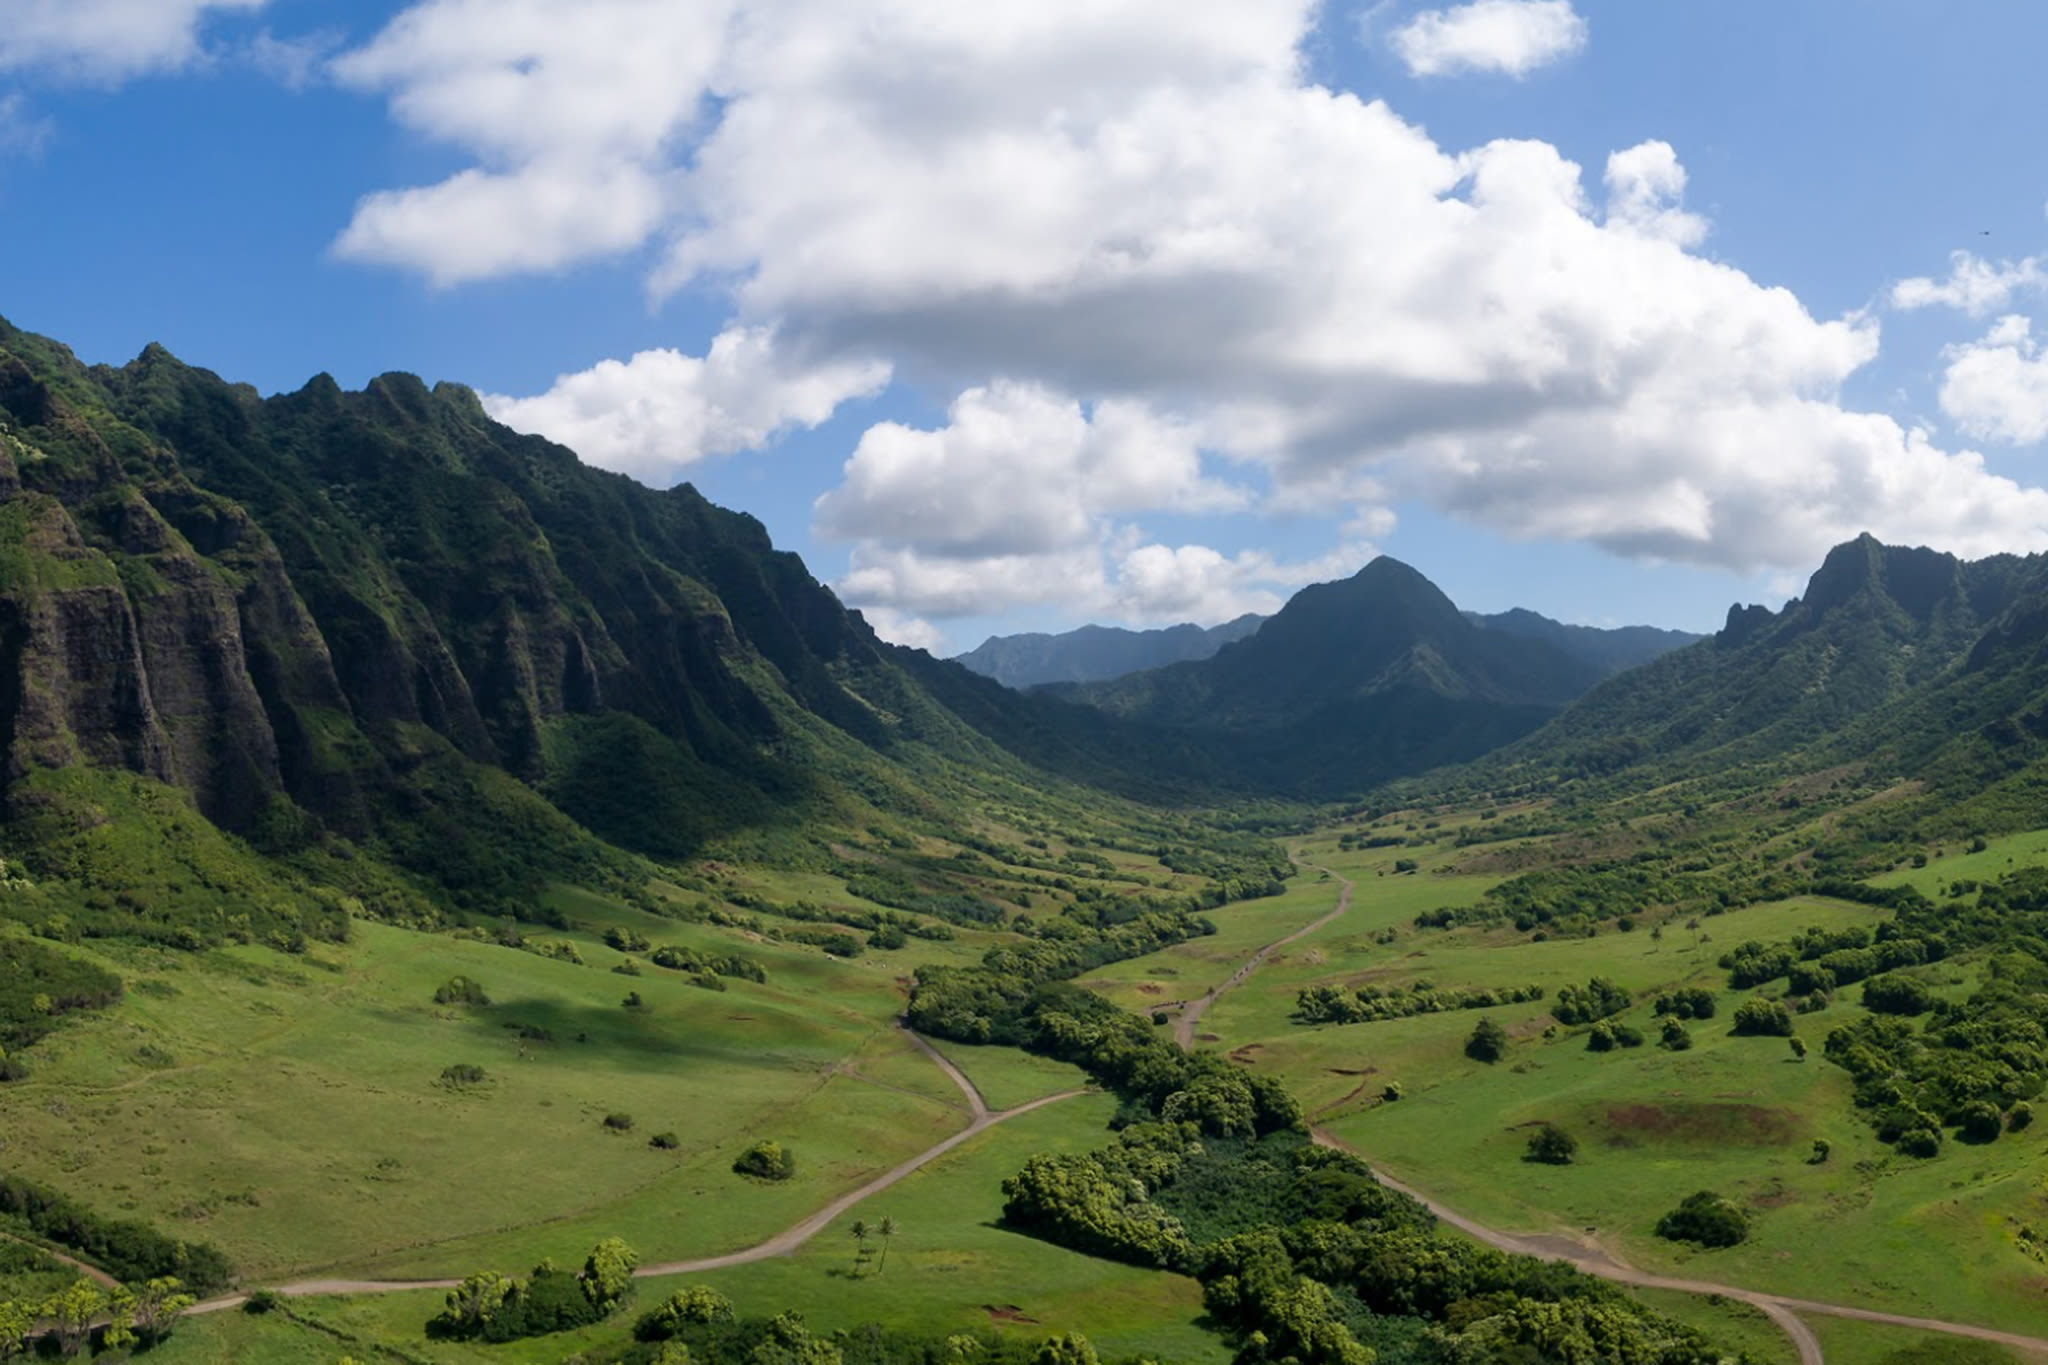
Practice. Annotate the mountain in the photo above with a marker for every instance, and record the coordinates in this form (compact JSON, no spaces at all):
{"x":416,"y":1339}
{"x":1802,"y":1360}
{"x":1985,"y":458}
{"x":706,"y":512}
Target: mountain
{"x":1349,"y":684}
{"x":1905,"y":687}
{"x":1098,"y":653}
{"x":408,"y":654}
{"x":1612,"y":650}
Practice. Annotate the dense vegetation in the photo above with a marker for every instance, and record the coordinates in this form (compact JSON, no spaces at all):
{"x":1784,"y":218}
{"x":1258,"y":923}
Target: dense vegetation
{"x":128,"y":1250}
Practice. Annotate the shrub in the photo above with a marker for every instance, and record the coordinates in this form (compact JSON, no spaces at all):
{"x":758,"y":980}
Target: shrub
{"x":2019,"y":1116}
{"x":666,"y":1142}
{"x":766,"y":1160}
{"x":1675,"y":1038}
{"x":1692,"y":1003}
{"x":460,"y":990}
{"x":462,"y":1074}
{"x":1896,"y":995}
{"x":1488,"y":1043}
{"x":1763,"y":1018}
{"x":1923,"y":1142}
{"x":1981,"y":1122}
{"x":262,"y":1301}
{"x":1552,"y":1146}
{"x":1393,"y":1092}
{"x":1705,"y":1218}
{"x":632,"y":1000}
{"x":619,"y":1123}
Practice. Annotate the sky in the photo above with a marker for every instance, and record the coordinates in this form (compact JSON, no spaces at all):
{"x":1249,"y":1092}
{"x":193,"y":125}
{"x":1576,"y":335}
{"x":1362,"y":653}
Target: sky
{"x":1020,"y":314}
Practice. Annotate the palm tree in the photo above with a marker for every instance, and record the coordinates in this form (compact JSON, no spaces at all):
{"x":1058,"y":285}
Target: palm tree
{"x":887,"y":1229}
{"x":860,"y":1241}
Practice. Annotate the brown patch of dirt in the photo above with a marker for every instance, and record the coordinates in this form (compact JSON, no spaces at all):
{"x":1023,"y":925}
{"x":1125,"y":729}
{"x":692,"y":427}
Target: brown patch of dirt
{"x":1776,"y":1197}
{"x":1353,"y":1071}
{"x":1151,"y":988}
{"x":1728,"y":1125}
{"x":1208,"y":1037}
{"x":1247,"y":1052}
{"x":739,"y":1018}
{"x":1006,"y":1312}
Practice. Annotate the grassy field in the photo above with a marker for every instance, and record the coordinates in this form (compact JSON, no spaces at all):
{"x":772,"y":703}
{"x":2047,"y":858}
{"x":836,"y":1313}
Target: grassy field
{"x":1848,"y":1342}
{"x":290,"y":1109}
{"x":948,"y":1269}
{"x":1738,"y":1115}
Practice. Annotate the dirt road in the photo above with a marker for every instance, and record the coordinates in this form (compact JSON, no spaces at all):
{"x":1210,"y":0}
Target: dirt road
{"x":781,"y":1244}
{"x":1192,"y":1012}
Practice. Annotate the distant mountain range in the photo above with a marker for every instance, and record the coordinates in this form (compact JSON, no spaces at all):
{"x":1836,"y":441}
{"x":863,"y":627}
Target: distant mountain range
{"x":1103,"y":653}
{"x":1098,"y":653}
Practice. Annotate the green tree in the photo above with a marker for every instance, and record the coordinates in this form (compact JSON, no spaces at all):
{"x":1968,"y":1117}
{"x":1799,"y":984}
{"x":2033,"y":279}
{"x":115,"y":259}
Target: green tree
{"x":1488,"y":1043}
{"x":608,"y":1272}
{"x":1071,"y":1349}
{"x":17,"y":1320}
{"x":885,"y":1230}
{"x":1675,"y":1038}
{"x":1552,"y":1146}
{"x":472,"y":1304}
{"x":861,"y":1232}
{"x":1706,"y":1218}
{"x":71,"y":1313}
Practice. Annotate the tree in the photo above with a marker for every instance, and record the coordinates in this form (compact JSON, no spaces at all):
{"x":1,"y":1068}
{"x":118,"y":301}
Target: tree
{"x":1071,"y":1349}
{"x":1821,"y":1149}
{"x":157,"y":1306}
{"x":1552,"y":1146}
{"x":1798,"y":1048}
{"x":885,"y":1230}
{"x":608,"y":1272}
{"x":692,"y":1304}
{"x":1675,"y":1038}
{"x":1759,"y":1017}
{"x":17,"y":1320}
{"x":766,"y":1160}
{"x":1488,"y":1043}
{"x":1706,"y":1218}
{"x":71,"y":1313}
{"x":861,"y":1232}
{"x":472,"y":1304}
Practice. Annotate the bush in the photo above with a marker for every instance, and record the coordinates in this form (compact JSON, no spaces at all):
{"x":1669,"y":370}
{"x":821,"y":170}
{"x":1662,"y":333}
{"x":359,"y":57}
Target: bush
{"x":619,"y":1123}
{"x":1981,"y":1122}
{"x":1705,"y":1218}
{"x":1896,"y":995}
{"x":1488,"y":1043}
{"x":1552,"y":1146}
{"x":1675,"y":1038}
{"x":666,"y":1142}
{"x":2019,"y":1116}
{"x":766,"y":1160}
{"x":1922,"y":1142}
{"x":462,"y":1074}
{"x":1693,"y":1003}
{"x":460,"y":990}
{"x":1763,"y":1018}
{"x":262,"y":1301}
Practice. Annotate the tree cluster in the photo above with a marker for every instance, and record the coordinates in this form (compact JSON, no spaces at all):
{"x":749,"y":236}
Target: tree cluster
{"x":488,"y":1306}
{"x":126,"y":1249}
{"x":1371,"y":1004}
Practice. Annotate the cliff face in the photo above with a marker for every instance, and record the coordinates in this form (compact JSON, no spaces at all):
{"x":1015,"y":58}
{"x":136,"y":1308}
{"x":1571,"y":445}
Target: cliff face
{"x":290,"y":605}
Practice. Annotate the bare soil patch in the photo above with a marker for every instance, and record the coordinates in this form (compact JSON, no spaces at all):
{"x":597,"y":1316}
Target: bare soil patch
{"x":1696,"y":1123}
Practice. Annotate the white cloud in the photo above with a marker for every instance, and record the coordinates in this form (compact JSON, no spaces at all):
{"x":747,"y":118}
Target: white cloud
{"x":1017,"y":470}
{"x":661,"y":411}
{"x":1976,"y":286}
{"x":106,"y":40}
{"x":1996,"y":389}
{"x":914,"y":631}
{"x":1514,"y":37}
{"x":1081,"y":213}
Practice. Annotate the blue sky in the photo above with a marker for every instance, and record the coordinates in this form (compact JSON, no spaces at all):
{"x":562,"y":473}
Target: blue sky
{"x":1034,"y":312}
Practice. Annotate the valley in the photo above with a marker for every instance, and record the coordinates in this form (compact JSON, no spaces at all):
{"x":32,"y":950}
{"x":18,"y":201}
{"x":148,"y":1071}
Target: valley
{"x":432,"y":865}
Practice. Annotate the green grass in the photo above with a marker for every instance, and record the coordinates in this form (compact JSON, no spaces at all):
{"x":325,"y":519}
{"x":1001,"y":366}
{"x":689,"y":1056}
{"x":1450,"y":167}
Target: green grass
{"x":288,"y":1108}
{"x":1008,"y":1076}
{"x":1736,"y":1326}
{"x":1849,"y":1342}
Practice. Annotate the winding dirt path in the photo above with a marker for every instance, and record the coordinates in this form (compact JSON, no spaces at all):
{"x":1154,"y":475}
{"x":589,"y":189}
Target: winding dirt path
{"x":91,"y":1272}
{"x":1191,"y":1013}
{"x":782,"y":1243}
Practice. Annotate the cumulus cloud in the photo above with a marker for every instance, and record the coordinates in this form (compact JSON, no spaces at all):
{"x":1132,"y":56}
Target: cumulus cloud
{"x":1513,"y":37}
{"x":660,"y":412}
{"x":1017,"y":470}
{"x":1996,"y":389}
{"x":106,"y":40}
{"x":1157,"y":264}
{"x":1974,"y":285}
